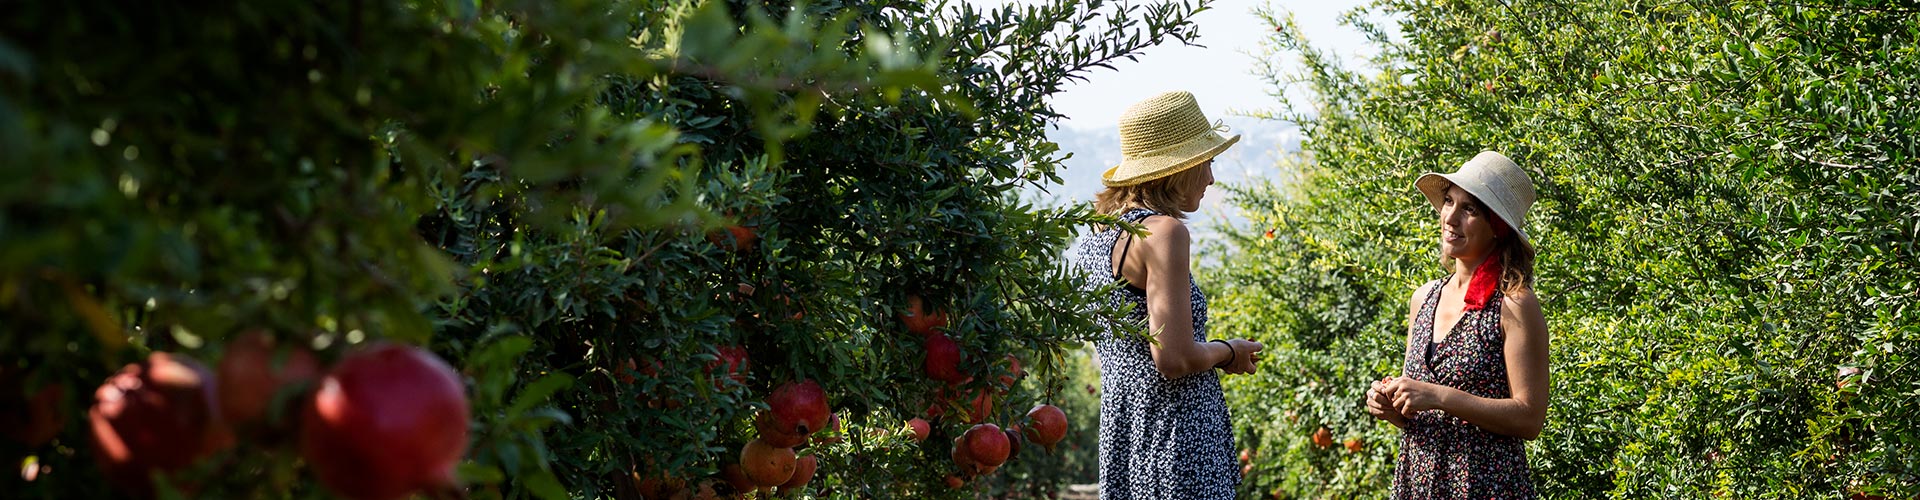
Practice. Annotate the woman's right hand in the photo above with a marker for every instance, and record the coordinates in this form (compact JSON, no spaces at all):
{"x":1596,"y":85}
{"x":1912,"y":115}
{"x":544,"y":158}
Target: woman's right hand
{"x":1380,"y":403}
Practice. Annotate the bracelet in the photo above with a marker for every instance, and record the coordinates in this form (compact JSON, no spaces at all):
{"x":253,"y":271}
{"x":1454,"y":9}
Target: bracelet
{"x":1231,"y":354}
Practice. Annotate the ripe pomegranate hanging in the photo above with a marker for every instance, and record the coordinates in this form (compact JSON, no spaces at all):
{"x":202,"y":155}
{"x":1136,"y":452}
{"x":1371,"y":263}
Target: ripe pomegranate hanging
{"x":919,"y":320}
{"x":799,"y":407}
{"x":251,"y":372}
{"x":986,"y":444}
{"x":1046,"y":426}
{"x":387,"y":421}
{"x":153,"y":416}
{"x":943,"y":359}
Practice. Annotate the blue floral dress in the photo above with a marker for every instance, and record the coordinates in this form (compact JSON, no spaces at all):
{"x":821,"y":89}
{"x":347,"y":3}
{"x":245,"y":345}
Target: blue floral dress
{"x":1159,"y":438}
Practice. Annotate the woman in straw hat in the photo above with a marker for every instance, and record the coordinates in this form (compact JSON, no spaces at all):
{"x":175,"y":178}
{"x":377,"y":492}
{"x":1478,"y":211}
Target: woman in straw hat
{"x":1164,"y":432}
{"x":1474,"y":387}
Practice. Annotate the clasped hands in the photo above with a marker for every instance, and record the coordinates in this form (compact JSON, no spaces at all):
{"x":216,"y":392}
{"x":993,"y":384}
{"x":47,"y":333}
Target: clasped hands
{"x":1395,"y":399}
{"x":1246,"y":354}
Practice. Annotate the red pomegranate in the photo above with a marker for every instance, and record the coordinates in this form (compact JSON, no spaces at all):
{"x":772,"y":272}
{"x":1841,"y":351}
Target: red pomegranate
{"x":734,"y":364}
{"x":734,"y":238}
{"x":799,"y":407}
{"x":251,"y":372}
{"x":954,"y":482}
{"x":963,"y":458}
{"x":737,"y":478}
{"x":766,"y":464}
{"x":803,"y":469}
{"x":1046,"y":426}
{"x":1323,"y":438}
{"x":919,"y":320}
{"x":982,"y":406}
{"x":986,"y":444}
{"x":1014,"y":373}
{"x":387,"y":421}
{"x":1014,"y":442}
{"x":919,"y":428}
{"x":943,"y":359}
{"x":771,"y":432}
{"x":157,"y":415}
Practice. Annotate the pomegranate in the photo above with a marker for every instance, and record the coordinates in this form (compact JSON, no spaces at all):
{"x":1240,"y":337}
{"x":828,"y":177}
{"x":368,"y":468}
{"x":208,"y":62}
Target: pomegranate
{"x":803,"y":469}
{"x":1046,"y":425}
{"x":919,"y":320}
{"x":1323,"y":438}
{"x":986,"y":444}
{"x":799,"y":407}
{"x":765,"y":464}
{"x":251,"y":373}
{"x":955,"y":482}
{"x":1246,"y":456}
{"x":1013,"y":442}
{"x":387,"y":421}
{"x":734,"y":360}
{"x":771,"y":432}
{"x":157,"y":415}
{"x":943,"y":359}
{"x":981,"y":408}
{"x":919,"y":429}
{"x":1355,"y":445}
{"x":734,"y":238}
{"x":963,"y":458}
{"x":1014,"y":373}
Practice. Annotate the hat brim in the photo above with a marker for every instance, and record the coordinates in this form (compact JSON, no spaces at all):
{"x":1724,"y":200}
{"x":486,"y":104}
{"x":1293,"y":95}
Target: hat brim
{"x":1434,"y":185}
{"x":1140,"y":170}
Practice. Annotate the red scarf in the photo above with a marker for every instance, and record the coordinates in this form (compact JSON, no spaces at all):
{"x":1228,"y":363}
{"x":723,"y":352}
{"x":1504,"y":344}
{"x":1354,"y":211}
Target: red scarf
{"x":1486,"y":277}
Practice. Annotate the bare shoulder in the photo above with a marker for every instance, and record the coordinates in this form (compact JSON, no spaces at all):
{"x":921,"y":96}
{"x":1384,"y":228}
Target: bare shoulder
{"x":1521,"y":303}
{"x":1420,"y":295}
{"x":1166,"y":230}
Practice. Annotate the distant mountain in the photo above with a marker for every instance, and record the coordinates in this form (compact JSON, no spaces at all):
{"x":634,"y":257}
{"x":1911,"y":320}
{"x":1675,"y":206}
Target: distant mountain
{"x":1257,"y":155}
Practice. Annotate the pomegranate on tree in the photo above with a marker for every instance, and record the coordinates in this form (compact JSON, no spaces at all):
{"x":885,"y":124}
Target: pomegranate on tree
{"x":733,"y":363}
{"x":1046,"y":426}
{"x":919,"y":429}
{"x":387,"y":421}
{"x":943,"y":359}
{"x":986,"y":444}
{"x":157,"y":415}
{"x":771,"y":432}
{"x":251,"y":373}
{"x":919,"y":320}
{"x":767,"y":465}
{"x":803,"y":469}
{"x":734,"y":238}
{"x":799,"y":407}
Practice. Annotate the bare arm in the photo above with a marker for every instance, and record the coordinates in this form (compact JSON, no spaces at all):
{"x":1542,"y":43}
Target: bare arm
{"x":1522,"y":415}
{"x":1165,"y":253}
{"x":1379,"y":398}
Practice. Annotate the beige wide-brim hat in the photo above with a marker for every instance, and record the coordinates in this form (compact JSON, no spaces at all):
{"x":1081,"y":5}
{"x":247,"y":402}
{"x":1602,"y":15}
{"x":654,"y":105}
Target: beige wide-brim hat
{"x":1162,"y":136}
{"x":1495,"y":180}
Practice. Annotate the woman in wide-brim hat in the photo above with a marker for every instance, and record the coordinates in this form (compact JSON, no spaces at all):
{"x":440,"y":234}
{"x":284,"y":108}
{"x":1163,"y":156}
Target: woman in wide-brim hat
{"x":1164,"y":432}
{"x":1473,"y":387}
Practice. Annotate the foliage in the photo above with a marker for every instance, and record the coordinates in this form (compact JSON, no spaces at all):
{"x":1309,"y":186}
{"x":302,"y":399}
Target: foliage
{"x":545,"y":194}
{"x":1726,"y":224}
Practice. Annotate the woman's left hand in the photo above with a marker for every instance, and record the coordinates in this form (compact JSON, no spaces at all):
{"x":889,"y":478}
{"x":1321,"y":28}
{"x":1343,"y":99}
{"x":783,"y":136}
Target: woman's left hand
{"x":1413,"y":396}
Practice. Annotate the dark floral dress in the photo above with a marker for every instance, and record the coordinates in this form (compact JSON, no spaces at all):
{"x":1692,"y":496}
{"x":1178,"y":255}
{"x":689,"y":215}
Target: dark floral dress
{"x":1442,"y":456}
{"x":1159,"y":438}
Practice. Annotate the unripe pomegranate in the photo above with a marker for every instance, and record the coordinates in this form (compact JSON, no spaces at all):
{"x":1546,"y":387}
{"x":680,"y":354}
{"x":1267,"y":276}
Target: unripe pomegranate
{"x":803,"y":469}
{"x":799,"y":408}
{"x":986,"y":444}
{"x":1046,"y":426}
{"x":943,"y":359}
{"x":765,"y":464}
{"x":153,"y":416}
{"x":919,"y":320}
{"x":251,"y":372}
{"x":387,"y":421}
{"x":919,"y":428}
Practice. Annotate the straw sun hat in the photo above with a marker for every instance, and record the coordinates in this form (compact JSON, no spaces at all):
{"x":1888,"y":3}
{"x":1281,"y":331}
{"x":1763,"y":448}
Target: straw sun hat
{"x":1162,"y":136}
{"x":1495,"y":180}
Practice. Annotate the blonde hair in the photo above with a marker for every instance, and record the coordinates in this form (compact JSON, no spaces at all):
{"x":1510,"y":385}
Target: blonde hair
{"x":1516,"y":258}
{"x":1166,"y":195}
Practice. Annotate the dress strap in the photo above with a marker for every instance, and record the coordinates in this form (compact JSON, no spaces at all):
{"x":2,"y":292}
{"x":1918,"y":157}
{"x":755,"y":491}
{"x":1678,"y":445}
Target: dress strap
{"x":1123,"y":254}
{"x":1134,"y":216}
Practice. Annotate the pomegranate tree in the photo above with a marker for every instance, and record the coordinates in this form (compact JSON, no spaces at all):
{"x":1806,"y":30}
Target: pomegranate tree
{"x":387,"y":421}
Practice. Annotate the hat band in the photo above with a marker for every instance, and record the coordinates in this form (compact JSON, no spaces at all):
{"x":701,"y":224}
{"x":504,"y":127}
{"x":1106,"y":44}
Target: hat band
{"x":1218,"y":127}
